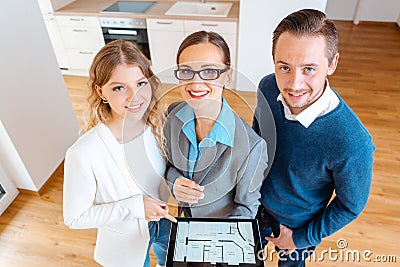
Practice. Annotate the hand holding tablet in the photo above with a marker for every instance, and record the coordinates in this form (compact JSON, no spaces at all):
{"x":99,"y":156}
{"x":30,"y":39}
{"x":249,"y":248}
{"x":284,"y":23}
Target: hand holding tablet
{"x":186,"y":190}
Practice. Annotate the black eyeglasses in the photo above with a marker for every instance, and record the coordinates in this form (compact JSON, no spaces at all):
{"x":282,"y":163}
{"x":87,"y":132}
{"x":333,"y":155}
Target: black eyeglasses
{"x":206,"y":74}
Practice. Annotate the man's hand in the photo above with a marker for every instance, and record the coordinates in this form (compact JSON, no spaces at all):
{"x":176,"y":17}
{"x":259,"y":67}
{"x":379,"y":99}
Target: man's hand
{"x":284,"y":240}
{"x":155,"y":209}
{"x":188,"y":191}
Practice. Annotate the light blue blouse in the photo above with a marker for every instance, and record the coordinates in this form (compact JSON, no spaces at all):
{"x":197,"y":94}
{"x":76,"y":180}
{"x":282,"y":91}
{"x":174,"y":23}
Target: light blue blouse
{"x":223,"y":132}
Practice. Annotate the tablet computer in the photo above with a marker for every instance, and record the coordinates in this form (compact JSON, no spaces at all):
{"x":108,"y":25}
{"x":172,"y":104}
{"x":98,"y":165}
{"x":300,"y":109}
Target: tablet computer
{"x":212,"y":242}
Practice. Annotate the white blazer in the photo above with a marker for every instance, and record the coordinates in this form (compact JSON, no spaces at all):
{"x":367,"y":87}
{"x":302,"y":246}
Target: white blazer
{"x":99,"y":192}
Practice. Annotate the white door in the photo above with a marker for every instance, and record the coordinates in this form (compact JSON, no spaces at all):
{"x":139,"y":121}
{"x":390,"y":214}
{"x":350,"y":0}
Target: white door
{"x":8,"y":191}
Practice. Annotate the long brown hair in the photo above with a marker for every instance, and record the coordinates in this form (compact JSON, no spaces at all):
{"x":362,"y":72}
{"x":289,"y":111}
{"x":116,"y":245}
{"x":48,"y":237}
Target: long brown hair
{"x":309,"y":22}
{"x":115,"y":53}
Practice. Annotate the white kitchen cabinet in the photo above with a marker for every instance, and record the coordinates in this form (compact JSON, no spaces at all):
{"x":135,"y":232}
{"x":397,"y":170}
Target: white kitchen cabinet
{"x":80,"y":59}
{"x":78,"y":21}
{"x":166,"y":35}
{"x":82,"y":38}
{"x":46,"y":9}
{"x":57,"y":42}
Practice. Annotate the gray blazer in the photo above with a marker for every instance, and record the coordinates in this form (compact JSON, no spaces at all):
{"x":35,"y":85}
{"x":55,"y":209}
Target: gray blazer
{"x":231,"y":176}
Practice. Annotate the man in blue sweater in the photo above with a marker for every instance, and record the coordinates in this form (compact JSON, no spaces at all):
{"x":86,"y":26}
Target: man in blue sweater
{"x":321,"y":145}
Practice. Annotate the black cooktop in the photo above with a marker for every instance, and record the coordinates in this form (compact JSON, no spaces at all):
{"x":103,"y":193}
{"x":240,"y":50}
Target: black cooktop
{"x":128,"y":7}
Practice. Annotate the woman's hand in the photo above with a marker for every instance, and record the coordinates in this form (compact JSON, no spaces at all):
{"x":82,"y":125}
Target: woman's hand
{"x":155,"y":209}
{"x":188,"y":191}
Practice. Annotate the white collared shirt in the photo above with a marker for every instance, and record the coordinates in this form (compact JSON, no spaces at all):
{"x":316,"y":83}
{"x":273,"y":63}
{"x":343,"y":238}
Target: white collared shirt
{"x":327,"y":102}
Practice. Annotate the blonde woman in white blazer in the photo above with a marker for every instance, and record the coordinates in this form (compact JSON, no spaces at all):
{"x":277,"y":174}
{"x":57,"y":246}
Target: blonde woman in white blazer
{"x":106,"y":184}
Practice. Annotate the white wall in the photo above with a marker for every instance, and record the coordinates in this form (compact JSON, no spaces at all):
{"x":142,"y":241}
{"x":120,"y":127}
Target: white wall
{"x":363,"y":10}
{"x":35,"y":108}
{"x":341,"y":9}
{"x":377,"y":10}
{"x":398,"y":20}
{"x":257,"y":20}
{"x":12,"y":162}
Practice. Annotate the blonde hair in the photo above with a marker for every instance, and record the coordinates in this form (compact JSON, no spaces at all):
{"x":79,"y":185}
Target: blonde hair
{"x":113,"y":54}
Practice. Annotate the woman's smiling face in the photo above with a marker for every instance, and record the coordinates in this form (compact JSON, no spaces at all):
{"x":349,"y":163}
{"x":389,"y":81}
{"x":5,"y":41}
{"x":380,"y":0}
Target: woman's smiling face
{"x":204,"y":56}
{"x":128,"y":93}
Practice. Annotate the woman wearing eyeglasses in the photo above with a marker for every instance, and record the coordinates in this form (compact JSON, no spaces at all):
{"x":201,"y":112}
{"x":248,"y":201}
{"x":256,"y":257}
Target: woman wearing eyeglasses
{"x":216,"y":162}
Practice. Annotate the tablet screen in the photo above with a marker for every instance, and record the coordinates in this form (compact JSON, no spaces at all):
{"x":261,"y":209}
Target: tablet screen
{"x":214,"y":242}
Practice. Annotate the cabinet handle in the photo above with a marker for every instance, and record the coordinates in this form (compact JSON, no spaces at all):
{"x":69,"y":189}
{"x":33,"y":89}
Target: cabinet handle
{"x":79,"y":30}
{"x":76,"y":19}
{"x":164,"y":22}
{"x":85,"y":53}
{"x":209,"y":25}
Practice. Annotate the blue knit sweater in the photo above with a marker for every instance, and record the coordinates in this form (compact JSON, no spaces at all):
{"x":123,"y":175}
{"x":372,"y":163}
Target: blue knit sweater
{"x":335,"y":153}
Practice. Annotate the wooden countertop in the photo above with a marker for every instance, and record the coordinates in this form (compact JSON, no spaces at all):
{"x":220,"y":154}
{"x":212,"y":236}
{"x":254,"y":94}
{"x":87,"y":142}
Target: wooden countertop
{"x":94,"y":7}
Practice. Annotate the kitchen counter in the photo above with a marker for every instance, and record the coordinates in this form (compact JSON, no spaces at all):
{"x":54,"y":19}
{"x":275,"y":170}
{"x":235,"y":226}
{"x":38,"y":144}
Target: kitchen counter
{"x":94,"y":7}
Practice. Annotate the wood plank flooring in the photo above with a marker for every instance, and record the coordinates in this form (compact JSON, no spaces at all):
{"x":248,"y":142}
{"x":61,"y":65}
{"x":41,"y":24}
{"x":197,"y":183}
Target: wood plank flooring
{"x":32,"y":232}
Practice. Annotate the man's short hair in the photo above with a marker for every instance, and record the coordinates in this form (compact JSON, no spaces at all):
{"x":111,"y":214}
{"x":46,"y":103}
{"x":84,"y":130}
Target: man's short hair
{"x":309,"y":22}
